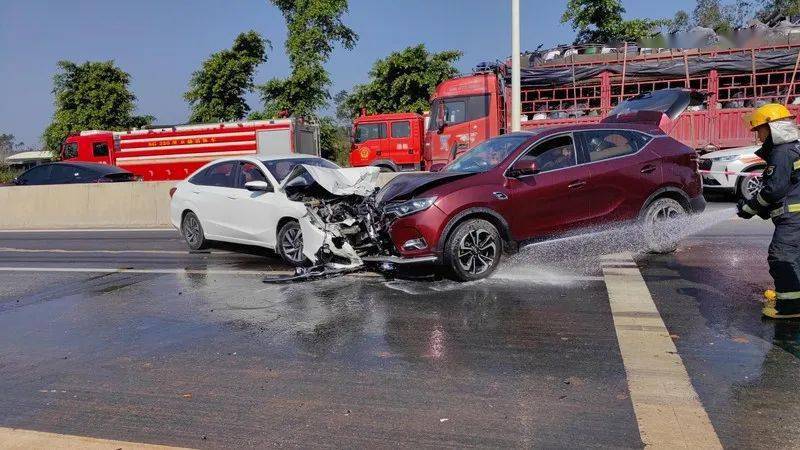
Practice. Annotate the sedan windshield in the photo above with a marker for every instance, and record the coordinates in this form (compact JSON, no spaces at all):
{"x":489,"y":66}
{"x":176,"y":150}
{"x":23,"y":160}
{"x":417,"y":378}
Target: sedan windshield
{"x":487,"y":155}
{"x":280,"y":168}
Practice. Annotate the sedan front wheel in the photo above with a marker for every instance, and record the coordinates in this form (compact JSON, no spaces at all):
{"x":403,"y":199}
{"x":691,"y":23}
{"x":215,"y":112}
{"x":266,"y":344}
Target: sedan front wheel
{"x":290,"y":244}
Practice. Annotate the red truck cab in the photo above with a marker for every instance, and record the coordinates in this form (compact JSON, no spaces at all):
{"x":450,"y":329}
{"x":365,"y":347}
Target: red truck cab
{"x":392,"y":142}
{"x":89,"y":146}
{"x":464,"y":112}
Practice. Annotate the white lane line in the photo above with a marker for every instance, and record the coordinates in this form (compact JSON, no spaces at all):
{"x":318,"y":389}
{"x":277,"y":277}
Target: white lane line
{"x":668,"y":410}
{"x":88,"y":230}
{"x":170,"y":271}
{"x":18,"y":439}
{"x":115,"y":252}
{"x":144,"y":271}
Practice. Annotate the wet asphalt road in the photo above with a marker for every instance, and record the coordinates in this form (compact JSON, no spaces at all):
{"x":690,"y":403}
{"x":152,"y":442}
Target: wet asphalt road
{"x":193,"y":350}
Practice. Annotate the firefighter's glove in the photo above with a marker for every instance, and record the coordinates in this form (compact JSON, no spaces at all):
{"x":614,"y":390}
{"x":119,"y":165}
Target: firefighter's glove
{"x":741,"y":212}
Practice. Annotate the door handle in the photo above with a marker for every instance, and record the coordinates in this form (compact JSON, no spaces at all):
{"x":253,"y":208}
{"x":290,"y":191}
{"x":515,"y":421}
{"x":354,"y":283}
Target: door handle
{"x":649,"y":168}
{"x":195,"y":192}
{"x":577,"y":184}
{"x":232,"y":197}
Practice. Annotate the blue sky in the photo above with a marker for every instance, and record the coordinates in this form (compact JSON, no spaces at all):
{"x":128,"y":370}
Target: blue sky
{"x":160,"y":42}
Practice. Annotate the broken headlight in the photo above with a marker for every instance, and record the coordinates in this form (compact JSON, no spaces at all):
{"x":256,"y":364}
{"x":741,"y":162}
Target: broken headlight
{"x":409,"y":207}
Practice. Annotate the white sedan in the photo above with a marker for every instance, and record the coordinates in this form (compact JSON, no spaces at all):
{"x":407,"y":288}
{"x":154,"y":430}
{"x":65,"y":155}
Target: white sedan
{"x":243,"y":200}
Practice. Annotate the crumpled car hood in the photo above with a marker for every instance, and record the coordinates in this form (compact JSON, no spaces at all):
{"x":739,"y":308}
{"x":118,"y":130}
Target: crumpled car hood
{"x":350,"y":181}
{"x":406,"y":185}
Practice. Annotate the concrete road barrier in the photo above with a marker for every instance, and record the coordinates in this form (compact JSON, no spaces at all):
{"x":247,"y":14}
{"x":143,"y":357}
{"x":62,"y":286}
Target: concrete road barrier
{"x":105,"y":205}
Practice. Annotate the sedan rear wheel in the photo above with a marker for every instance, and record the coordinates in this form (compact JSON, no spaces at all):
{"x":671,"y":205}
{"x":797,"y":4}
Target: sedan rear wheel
{"x":473,"y":250}
{"x":290,"y":244}
{"x":192,"y":232}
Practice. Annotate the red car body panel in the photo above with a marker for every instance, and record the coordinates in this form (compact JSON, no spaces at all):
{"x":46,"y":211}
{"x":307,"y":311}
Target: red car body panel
{"x":548,"y":203}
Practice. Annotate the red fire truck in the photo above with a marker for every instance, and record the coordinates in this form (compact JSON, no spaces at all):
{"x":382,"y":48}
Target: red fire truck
{"x":392,"y":142}
{"x":172,"y":153}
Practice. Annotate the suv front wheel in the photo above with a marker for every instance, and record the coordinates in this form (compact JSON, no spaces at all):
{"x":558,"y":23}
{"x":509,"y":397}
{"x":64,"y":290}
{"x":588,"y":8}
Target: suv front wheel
{"x":660,"y":233}
{"x":473,"y":250}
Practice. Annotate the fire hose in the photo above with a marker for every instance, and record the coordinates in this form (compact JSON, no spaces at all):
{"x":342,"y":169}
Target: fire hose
{"x":730,"y":172}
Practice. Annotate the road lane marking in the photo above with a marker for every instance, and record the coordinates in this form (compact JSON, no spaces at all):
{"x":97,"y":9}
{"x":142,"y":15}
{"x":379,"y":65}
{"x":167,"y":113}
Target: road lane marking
{"x":118,"y":252}
{"x":145,"y":271}
{"x":171,"y":271}
{"x":18,"y":439}
{"x":668,"y":411}
{"x":88,"y":230}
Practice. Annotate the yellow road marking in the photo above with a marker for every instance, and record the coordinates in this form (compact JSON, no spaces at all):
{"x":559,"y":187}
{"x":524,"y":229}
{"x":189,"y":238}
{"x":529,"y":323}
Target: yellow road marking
{"x":668,"y":411}
{"x":17,"y":439}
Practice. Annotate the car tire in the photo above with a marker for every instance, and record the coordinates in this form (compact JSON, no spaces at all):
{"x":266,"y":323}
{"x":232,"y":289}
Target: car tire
{"x":747,"y":187}
{"x":192,"y":232}
{"x":657,"y":238}
{"x":290,"y":244}
{"x":473,"y":250}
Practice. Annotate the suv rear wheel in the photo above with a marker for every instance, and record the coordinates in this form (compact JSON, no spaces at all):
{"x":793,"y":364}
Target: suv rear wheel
{"x":659,"y":236}
{"x":192,"y":232}
{"x":290,"y":244}
{"x":473,"y":250}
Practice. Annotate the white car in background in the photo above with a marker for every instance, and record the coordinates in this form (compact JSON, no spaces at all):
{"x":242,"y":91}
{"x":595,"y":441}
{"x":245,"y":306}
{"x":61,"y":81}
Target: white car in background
{"x":268,"y":201}
{"x":727,"y":167}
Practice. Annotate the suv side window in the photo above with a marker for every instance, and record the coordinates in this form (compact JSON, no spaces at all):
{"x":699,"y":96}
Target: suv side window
{"x":606,"y":144}
{"x":553,"y":154}
{"x":367,"y":131}
{"x":401,"y":129}
{"x":250,"y":172}
{"x":220,"y":175}
{"x":100,"y":149}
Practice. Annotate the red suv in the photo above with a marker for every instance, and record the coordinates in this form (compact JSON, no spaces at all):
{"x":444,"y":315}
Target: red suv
{"x":531,"y":185}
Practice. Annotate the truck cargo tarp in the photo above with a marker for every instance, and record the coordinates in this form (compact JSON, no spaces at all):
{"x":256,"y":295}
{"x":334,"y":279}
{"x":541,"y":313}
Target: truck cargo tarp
{"x":764,"y":60}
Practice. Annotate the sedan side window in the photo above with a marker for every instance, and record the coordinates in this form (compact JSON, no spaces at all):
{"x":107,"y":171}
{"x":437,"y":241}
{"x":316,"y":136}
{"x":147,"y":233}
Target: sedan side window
{"x":37,"y":175}
{"x":553,"y":154}
{"x":220,"y":175}
{"x":606,"y":144}
{"x":250,"y":172}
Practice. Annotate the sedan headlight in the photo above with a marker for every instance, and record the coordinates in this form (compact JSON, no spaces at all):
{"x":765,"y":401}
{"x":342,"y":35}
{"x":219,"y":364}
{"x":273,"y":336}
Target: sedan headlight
{"x":410,"y":207}
{"x":725,"y":158}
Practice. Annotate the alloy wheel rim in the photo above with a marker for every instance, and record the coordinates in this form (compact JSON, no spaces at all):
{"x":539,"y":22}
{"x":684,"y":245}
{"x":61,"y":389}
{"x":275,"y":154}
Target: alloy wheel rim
{"x":292,"y":244}
{"x":477,"y":251}
{"x":191,"y":230}
{"x":753,"y":186}
{"x":660,"y":217}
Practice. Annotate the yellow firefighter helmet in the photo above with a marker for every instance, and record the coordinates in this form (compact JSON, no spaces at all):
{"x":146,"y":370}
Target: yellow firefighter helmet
{"x":768,"y":113}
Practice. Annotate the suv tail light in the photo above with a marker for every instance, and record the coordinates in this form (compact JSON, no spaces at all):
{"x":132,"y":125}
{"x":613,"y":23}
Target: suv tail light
{"x":172,"y":192}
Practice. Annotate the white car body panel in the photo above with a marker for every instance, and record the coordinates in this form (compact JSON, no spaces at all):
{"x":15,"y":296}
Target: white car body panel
{"x":246,"y":217}
{"x":745,"y":161}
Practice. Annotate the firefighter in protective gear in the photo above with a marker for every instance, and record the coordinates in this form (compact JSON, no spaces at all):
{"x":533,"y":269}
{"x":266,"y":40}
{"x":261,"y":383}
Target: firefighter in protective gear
{"x":779,"y":200}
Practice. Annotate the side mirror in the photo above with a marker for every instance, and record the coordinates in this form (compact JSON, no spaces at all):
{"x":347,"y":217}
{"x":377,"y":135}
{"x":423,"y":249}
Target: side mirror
{"x":440,"y":118}
{"x":258,"y":186}
{"x":437,"y":167}
{"x":522,"y":168}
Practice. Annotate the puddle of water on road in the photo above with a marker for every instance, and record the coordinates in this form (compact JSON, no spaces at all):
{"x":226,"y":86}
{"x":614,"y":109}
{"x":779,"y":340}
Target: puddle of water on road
{"x":573,"y":259}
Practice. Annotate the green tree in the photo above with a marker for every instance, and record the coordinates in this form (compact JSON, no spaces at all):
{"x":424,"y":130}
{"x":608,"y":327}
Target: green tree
{"x":601,"y":21}
{"x":680,"y":22}
{"x":314,"y":27}
{"x":774,"y":11}
{"x":334,"y":141}
{"x":721,"y":18}
{"x":217,"y":90}
{"x":92,"y":95}
{"x":402,"y":82}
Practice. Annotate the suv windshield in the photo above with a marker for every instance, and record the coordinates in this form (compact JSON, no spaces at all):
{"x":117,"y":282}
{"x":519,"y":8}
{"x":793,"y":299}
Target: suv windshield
{"x":280,"y":168}
{"x":487,"y":154}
